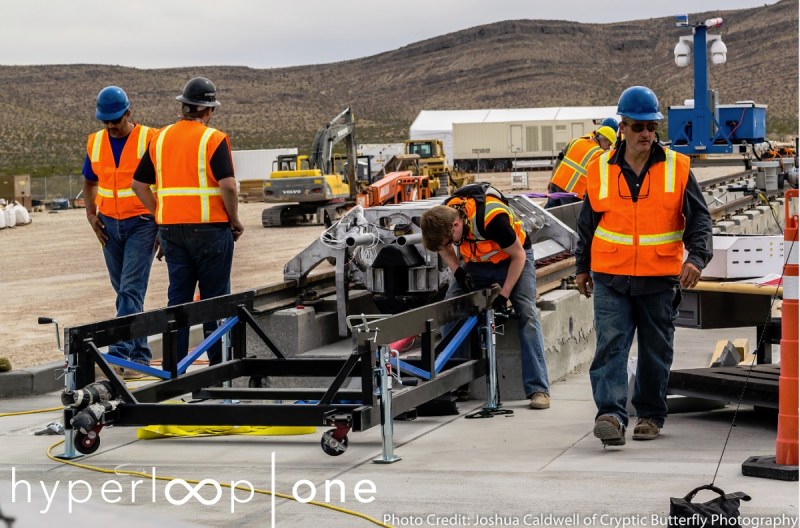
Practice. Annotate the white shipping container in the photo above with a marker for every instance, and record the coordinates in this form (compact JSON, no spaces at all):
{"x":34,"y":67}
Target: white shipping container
{"x":256,"y":164}
{"x":497,"y":135}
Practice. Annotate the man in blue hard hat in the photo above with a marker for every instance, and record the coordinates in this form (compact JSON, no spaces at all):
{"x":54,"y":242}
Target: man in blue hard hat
{"x":643,"y":208}
{"x":124,"y":227}
{"x":611,"y":123}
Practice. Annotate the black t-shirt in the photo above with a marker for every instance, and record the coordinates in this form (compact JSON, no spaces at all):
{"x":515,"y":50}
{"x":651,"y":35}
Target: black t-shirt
{"x":499,"y":230}
{"x":221,"y":165}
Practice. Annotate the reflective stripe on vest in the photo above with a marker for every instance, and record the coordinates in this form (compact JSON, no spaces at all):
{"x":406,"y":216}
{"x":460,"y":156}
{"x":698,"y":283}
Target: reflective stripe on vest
{"x":603,"y":194}
{"x":614,"y":238}
{"x":202,"y":158}
{"x":669,"y":171}
{"x":159,"y":173}
{"x":98,"y":142}
{"x":657,"y":239}
{"x":579,"y":168}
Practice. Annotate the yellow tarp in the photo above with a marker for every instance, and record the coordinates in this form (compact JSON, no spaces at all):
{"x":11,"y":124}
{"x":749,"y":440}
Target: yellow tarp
{"x":152,"y":432}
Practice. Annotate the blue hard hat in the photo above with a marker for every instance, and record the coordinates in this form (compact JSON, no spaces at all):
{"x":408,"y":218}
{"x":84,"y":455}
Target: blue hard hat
{"x":639,"y":103}
{"x":112,"y":103}
{"x":611,"y":123}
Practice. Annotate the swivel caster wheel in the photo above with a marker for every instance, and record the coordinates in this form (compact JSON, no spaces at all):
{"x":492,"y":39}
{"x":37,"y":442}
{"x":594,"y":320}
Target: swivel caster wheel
{"x":331,"y":445}
{"x":87,"y":443}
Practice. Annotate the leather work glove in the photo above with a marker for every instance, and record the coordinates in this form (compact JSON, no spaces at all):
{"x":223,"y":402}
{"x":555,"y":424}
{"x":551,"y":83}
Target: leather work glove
{"x":500,"y":304}
{"x":464,"y":280}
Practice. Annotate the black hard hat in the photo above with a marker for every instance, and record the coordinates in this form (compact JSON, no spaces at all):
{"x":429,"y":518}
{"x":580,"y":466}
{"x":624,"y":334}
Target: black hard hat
{"x":199,"y":92}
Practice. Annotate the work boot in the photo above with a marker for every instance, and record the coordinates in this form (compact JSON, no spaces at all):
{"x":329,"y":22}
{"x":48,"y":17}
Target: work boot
{"x":540,"y":400}
{"x":130,"y":374}
{"x":462,"y":393}
{"x":646,"y":429}
{"x":100,"y":375}
{"x":608,"y":429}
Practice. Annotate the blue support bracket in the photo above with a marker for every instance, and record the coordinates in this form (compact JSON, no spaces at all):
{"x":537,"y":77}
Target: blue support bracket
{"x":444,"y":356}
{"x":200,"y":349}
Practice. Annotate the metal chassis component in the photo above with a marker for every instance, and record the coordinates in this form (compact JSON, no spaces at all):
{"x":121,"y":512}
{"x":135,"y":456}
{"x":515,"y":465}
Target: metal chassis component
{"x":142,"y":406}
{"x":548,"y":234}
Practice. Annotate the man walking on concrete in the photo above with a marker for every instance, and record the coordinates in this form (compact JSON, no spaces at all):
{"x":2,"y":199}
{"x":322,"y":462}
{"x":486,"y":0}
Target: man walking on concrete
{"x":643,"y":207}
{"x":124,"y":227}
{"x":196,"y":203}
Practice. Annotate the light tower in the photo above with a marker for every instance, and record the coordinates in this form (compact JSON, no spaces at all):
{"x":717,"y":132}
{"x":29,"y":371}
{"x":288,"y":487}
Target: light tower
{"x":699,"y":130}
{"x":705,"y":127}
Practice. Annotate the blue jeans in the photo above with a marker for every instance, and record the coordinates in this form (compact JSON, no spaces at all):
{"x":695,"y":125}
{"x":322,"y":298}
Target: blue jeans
{"x":129,"y":254}
{"x":197,"y":255}
{"x":523,"y":299}
{"x":617,"y":316}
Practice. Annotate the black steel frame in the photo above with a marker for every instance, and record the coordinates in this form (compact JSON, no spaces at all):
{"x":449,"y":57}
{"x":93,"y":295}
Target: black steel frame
{"x":334,"y":405}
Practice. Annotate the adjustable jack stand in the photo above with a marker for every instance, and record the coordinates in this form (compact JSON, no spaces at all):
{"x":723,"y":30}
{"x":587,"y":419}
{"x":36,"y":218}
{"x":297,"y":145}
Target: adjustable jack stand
{"x":383,"y":389}
{"x":493,"y":404}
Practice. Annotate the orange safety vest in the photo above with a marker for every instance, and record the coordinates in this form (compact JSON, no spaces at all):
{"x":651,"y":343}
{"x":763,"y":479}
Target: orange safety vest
{"x":570,"y":174}
{"x":188,"y":193}
{"x":115,"y":198}
{"x":642,"y":238}
{"x":474,"y":247}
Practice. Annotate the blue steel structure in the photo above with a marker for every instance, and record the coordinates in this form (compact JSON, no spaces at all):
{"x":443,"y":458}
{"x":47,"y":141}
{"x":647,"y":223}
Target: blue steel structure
{"x":705,"y":127}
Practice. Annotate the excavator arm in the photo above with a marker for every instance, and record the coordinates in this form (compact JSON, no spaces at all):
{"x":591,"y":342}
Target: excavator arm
{"x":341,"y":128}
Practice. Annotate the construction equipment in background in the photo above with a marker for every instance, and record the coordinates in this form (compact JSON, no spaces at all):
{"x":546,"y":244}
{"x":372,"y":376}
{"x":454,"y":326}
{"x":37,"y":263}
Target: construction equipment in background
{"x":426,"y":157}
{"x":397,"y":187}
{"x":319,"y":187}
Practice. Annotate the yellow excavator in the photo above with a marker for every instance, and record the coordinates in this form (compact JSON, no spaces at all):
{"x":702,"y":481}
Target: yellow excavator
{"x":319,"y":187}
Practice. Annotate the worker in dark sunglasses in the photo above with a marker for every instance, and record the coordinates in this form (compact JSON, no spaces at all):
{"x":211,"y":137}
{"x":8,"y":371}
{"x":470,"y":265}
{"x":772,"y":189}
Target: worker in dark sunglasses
{"x":643,"y":208}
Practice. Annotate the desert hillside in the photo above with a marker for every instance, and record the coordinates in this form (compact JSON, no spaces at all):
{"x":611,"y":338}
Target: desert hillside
{"x":47,"y":111}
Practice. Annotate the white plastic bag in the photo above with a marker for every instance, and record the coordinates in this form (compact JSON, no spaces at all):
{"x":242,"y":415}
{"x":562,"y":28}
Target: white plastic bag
{"x":11,"y":218}
{"x":22,"y":214}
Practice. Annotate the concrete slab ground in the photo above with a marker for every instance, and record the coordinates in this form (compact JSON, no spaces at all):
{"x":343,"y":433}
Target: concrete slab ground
{"x":537,"y":468}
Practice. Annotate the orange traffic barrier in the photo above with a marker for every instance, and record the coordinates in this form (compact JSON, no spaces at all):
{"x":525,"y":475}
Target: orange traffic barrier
{"x":786,"y":448}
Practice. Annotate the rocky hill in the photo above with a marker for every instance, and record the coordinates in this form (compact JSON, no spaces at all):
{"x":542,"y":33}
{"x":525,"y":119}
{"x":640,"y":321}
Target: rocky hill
{"x":47,"y":111}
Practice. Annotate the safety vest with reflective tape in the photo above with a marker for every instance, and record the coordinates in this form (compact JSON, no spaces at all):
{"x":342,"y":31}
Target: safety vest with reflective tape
{"x":476,"y":248}
{"x":115,"y":198}
{"x":570,"y":174}
{"x":642,"y":238}
{"x":188,"y":192}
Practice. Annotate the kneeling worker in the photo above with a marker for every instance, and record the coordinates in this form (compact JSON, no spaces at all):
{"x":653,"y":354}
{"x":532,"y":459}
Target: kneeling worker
{"x":495,"y":249}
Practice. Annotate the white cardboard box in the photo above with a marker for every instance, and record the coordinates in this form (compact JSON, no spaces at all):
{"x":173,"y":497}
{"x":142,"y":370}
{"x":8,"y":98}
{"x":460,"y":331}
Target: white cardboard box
{"x":743,"y":256}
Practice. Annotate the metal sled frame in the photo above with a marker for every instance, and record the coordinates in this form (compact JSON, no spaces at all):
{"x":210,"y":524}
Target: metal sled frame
{"x":346,"y":409}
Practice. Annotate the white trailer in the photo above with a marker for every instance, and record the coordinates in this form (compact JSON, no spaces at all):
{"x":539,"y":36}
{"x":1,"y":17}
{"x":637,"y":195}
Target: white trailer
{"x":256,"y":164}
{"x":494,"y":139}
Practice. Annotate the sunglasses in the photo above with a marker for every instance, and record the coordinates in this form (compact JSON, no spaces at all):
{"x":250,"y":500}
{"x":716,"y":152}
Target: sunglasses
{"x":637,"y":128}
{"x":113,"y":121}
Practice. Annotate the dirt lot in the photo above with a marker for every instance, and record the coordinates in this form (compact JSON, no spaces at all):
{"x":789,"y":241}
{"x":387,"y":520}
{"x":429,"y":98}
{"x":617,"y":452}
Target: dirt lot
{"x":54,"y":267}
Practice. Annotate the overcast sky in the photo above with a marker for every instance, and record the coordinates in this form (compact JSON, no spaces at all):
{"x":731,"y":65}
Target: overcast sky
{"x":277,"y":33}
